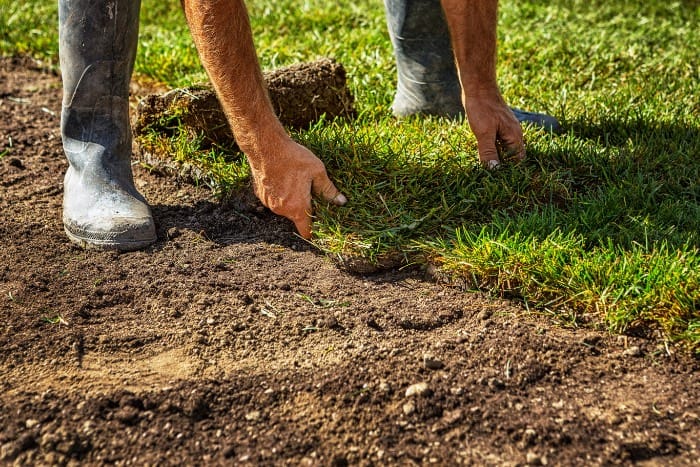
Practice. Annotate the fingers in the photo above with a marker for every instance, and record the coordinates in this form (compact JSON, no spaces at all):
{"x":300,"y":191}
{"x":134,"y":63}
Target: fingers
{"x":497,"y":130}
{"x":296,"y":209}
{"x":513,"y":143}
{"x":302,"y":221}
{"x":508,"y":143}
{"x":292,"y":197}
{"x":324,"y":188}
{"x":488,"y":154}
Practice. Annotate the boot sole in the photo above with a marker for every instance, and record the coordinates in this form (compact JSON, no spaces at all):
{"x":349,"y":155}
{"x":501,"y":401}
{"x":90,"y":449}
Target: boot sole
{"x":97,"y":242}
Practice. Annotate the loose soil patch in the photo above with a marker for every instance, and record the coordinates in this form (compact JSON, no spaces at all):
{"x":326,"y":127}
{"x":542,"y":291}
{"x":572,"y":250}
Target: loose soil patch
{"x":232,"y":341}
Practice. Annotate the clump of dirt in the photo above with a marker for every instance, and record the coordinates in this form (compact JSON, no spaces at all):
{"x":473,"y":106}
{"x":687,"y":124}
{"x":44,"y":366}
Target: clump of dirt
{"x":232,"y":341}
{"x":300,"y":95}
{"x":303,"y":92}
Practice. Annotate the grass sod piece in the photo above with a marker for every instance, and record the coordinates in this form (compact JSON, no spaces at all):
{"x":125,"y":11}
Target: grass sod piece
{"x":181,"y":131}
{"x":621,"y":184}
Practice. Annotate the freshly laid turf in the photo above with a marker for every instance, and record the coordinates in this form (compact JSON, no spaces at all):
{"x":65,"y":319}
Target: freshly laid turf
{"x":599,"y":226}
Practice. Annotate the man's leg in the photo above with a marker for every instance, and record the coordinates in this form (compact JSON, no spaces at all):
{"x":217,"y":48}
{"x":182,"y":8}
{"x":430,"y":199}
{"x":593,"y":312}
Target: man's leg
{"x":97,"y":44}
{"x":427,"y":76}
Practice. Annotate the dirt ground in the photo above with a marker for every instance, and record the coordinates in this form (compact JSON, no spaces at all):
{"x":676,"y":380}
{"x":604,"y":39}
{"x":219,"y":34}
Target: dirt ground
{"x":231,"y":341}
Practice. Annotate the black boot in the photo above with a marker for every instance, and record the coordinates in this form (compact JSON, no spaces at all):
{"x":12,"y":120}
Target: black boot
{"x":101,"y":206}
{"x":427,"y":75}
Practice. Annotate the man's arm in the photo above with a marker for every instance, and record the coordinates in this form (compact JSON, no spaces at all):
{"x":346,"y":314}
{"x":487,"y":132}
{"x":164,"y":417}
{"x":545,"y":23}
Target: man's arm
{"x":285,"y":174}
{"x":472,"y":26}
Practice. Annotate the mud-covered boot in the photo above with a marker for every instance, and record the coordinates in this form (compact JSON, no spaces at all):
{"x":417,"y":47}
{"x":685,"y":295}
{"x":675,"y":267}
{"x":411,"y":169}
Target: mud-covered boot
{"x":428,"y":83}
{"x":101,"y":206}
{"x":427,"y":76}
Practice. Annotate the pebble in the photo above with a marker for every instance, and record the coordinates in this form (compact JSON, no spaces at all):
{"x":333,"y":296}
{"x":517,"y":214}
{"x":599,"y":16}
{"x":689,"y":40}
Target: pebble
{"x":329,"y":322}
{"x":534,"y":459}
{"x":31,"y":423}
{"x":418,"y":389}
{"x":229,"y":452}
{"x":633,"y":351}
{"x":88,"y":427}
{"x":485,"y":315}
{"x":409,"y":408}
{"x":252,"y":416}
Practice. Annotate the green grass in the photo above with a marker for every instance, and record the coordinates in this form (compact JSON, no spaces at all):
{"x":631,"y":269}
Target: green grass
{"x":599,"y":227}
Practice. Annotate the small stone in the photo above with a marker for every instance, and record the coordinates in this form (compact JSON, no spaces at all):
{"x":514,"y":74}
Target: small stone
{"x":329,"y":322}
{"x":432,"y":363}
{"x":31,"y":423}
{"x":385,"y":387}
{"x":534,"y":459}
{"x":229,"y":452}
{"x":633,"y":351}
{"x":173,"y":232}
{"x":485,"y":315}
{"x":211,"y":321}
{"x":409,"y":408}
{"x":88,"y":427}
{"x":418,"y":389}
{"x":253,"y":416}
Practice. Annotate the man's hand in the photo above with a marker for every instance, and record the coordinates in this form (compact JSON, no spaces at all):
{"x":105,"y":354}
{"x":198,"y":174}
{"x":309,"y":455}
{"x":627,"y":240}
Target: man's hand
{"x":495,"y":127}
{"x":472,"y":26}
{"x":285,"y":174}
{"x":286,"y":185}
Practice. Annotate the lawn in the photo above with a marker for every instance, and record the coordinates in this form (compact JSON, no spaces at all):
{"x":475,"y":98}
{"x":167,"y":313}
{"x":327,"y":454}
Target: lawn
{"x":600,"y":226}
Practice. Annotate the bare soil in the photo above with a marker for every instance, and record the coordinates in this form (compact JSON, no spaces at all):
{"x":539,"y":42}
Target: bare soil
{"x":232,"y":341}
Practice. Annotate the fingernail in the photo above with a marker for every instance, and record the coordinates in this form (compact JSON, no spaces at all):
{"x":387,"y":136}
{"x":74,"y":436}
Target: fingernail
{"x":492,"y":164}
{"x":340,"y":199}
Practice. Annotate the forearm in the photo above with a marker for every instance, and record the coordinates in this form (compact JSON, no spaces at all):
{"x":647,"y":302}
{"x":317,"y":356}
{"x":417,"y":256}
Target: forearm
{"x":472,"y":25}
{"x":222,"y":34}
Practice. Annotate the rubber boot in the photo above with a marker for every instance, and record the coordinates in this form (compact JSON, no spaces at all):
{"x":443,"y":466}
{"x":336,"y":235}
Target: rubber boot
{"x":97,"y":47}
{"x":427,"y":82}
